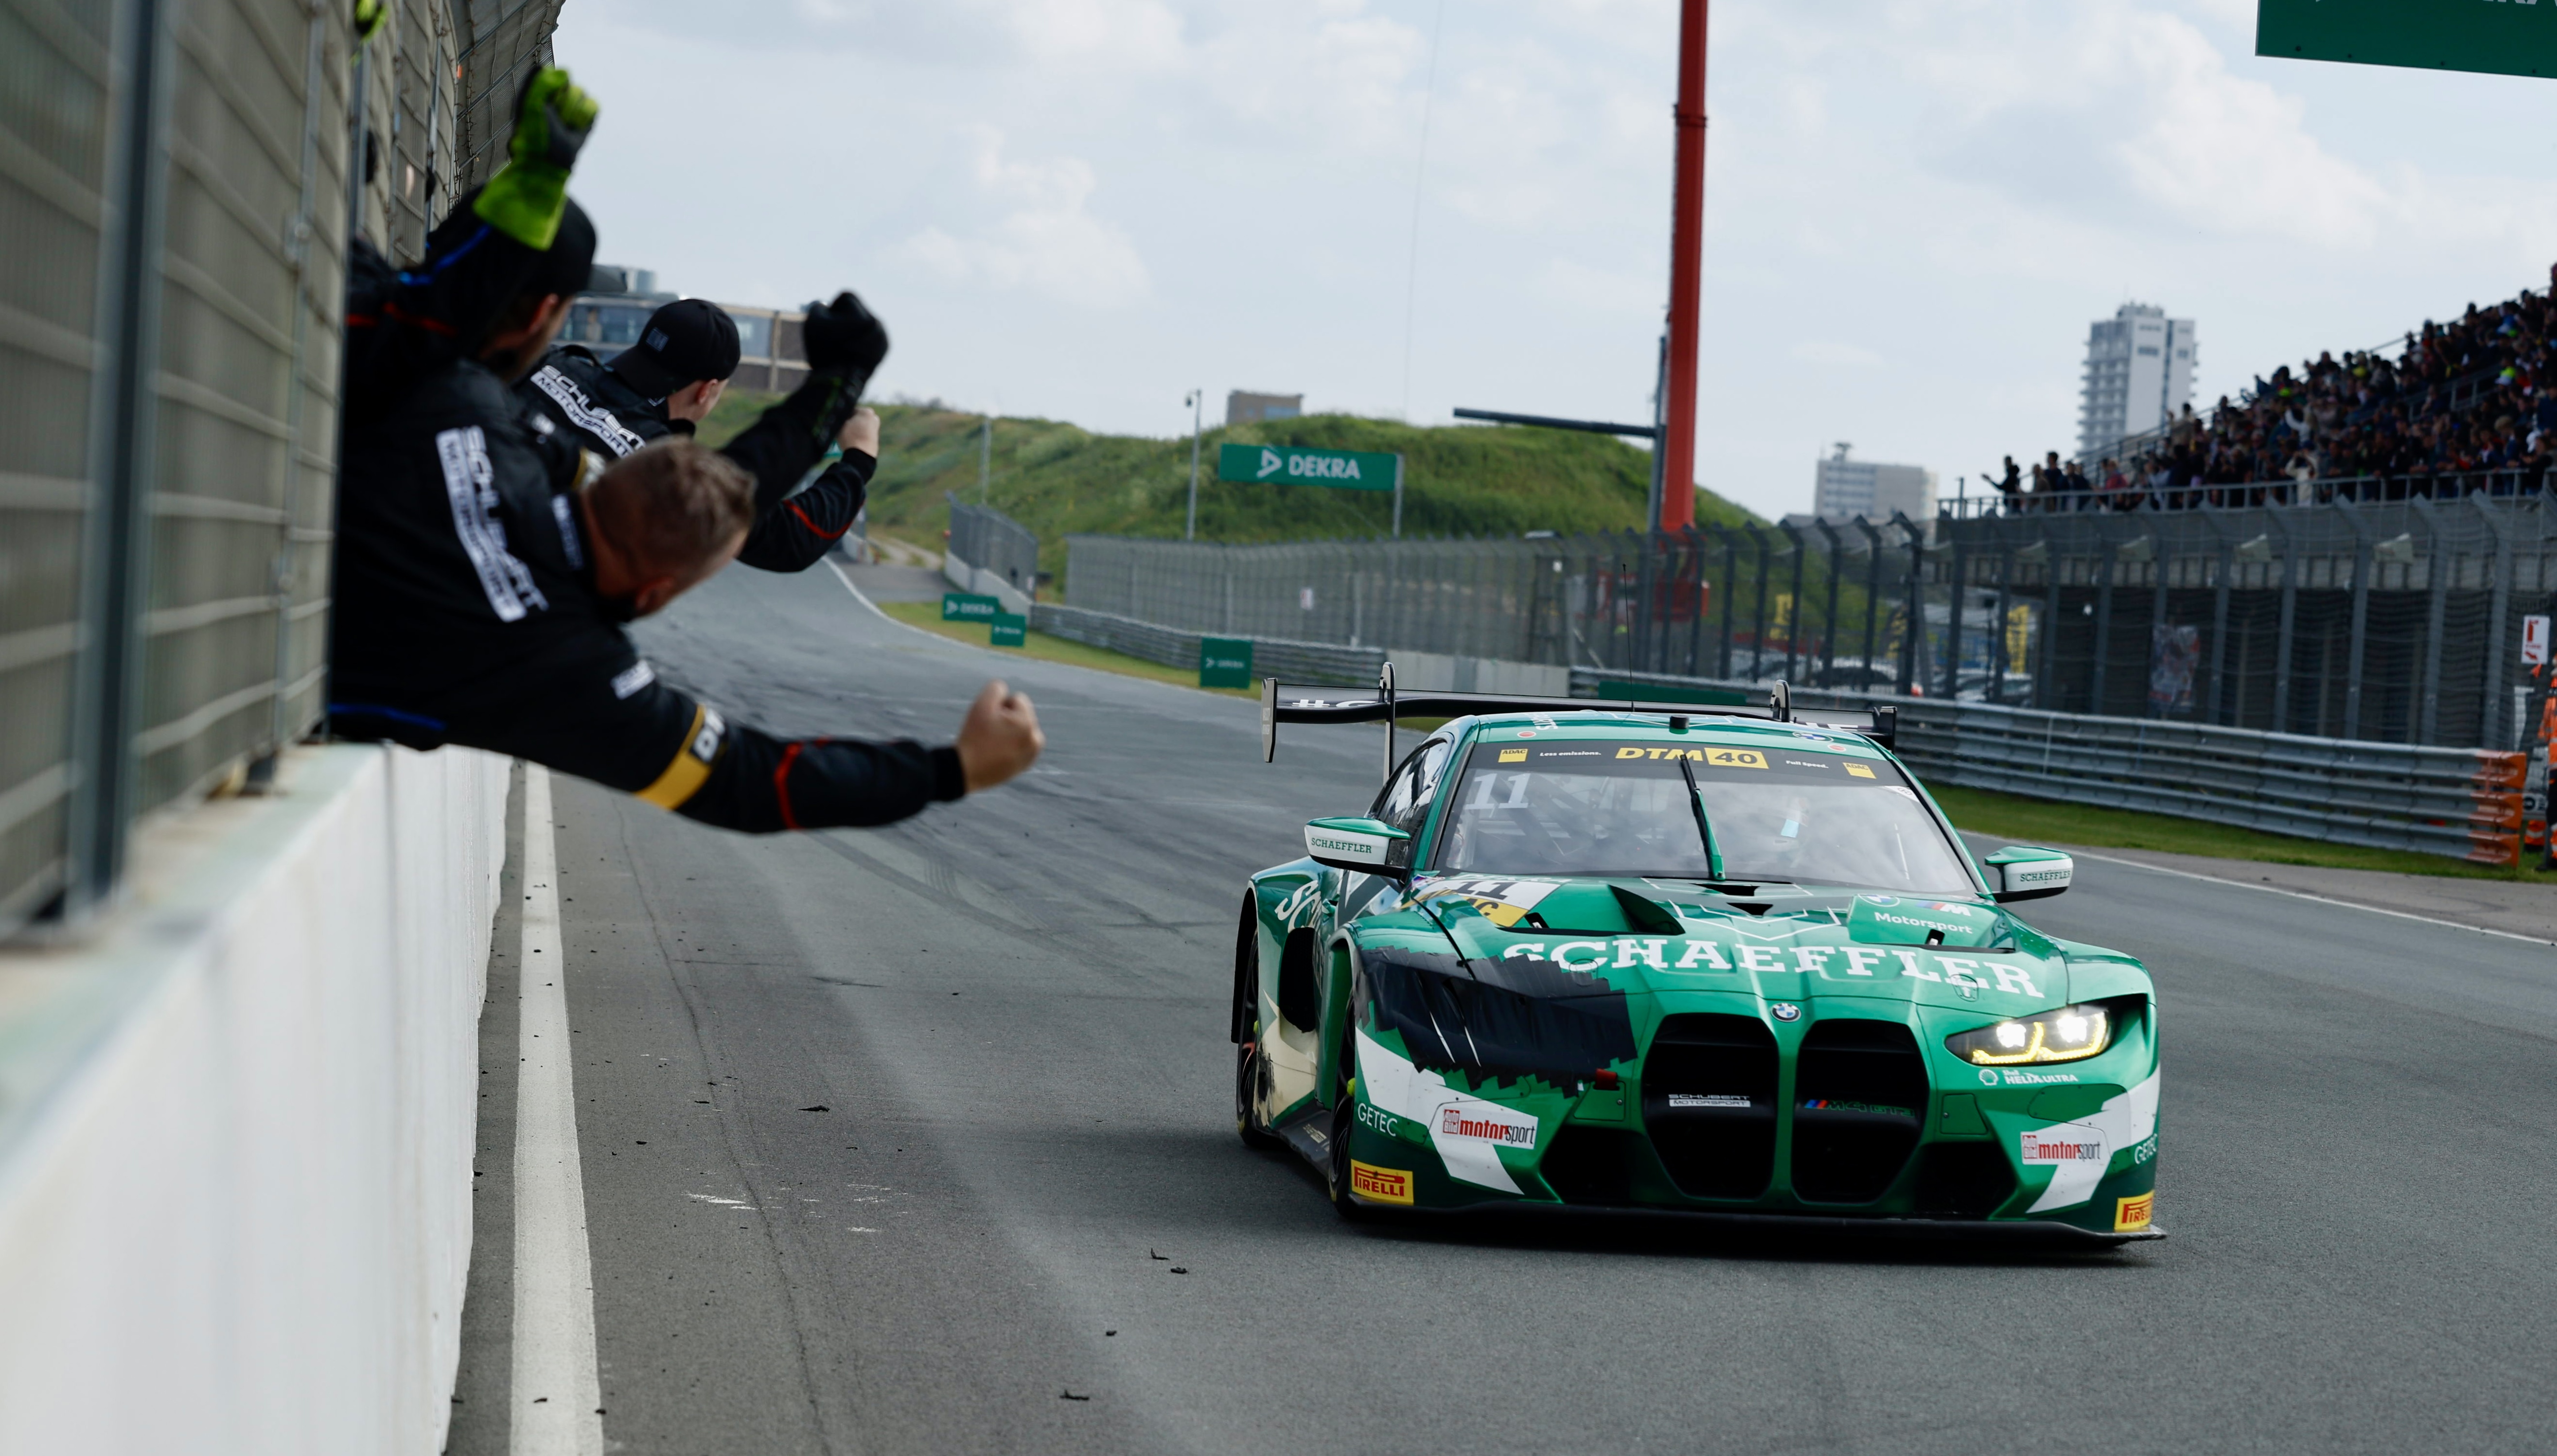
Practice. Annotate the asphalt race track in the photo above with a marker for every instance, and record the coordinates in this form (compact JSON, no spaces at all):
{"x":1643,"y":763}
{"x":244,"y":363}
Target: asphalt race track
{"x":920,"y":1140}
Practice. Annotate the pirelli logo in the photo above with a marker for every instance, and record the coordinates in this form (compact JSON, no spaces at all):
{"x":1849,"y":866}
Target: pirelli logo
{"x":691,"y":767}
{"x":1380,"y":1185}
{"x":2130,"y":1215}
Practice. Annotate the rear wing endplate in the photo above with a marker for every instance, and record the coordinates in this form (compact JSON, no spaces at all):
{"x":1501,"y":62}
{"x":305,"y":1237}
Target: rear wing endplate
{"x":1307,"y":703}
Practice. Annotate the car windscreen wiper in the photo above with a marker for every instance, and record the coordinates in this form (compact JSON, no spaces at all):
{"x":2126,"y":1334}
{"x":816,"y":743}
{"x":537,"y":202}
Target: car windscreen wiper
{"x":1703,"y":827}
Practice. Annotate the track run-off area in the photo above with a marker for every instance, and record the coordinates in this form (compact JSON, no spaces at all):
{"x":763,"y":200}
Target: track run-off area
{"x":920,"y":1140}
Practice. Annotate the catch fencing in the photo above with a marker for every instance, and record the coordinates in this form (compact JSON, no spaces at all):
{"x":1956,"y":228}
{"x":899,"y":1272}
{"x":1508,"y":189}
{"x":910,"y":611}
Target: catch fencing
{"x":2388,"y":621}
{"x":1296,"y":662}
{"x":2466,"y":803}
{"x":1810,"y":604}
{"x":178,"y":184}
{"x":990,"y":541}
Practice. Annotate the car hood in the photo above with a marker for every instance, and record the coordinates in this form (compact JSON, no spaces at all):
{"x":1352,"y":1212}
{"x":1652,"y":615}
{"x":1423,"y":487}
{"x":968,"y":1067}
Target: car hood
{"x":1611,"y":937}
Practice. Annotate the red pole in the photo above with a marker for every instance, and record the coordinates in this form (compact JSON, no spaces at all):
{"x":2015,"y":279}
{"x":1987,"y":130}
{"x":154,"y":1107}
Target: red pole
{"x":1686,"y":264}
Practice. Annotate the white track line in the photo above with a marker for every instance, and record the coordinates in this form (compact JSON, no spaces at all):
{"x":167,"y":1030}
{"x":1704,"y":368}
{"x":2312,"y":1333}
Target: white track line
{"x":556,"y":1389}
{"x":2529,"y":940}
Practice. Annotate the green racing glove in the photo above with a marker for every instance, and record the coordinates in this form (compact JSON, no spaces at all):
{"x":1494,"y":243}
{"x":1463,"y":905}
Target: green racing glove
{"x":525,"y":198}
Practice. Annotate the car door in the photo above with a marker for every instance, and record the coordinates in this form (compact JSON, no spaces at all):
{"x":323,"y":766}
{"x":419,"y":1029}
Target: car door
{"x":1404,"y":802}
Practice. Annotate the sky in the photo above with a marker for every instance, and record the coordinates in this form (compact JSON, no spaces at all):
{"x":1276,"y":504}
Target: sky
{"x":1083,"y":209}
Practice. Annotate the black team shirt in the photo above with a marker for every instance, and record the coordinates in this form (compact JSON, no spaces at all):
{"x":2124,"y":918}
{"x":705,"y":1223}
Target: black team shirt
{"x":599,"y":411}
{"x":466,"y":608}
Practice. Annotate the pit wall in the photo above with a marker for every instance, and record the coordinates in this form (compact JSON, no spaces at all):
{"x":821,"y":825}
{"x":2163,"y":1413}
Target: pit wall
{"x":235,"y":1123}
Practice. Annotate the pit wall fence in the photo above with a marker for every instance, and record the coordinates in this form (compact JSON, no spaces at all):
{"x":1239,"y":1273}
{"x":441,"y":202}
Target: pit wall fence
{"x":179,"y":183}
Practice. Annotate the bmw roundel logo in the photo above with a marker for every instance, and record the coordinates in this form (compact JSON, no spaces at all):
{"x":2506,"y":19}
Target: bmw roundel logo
{"x":1785,"y":1012}
{"x":1880,"y":900}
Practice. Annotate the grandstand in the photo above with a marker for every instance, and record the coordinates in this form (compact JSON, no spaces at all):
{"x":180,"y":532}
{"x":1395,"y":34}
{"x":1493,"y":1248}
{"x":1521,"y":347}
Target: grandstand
{"x":2468,"y":407}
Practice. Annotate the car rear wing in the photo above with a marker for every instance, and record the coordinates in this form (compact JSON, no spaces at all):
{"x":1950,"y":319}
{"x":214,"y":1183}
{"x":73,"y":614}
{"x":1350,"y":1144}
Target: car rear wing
{"x":1306,"y":703}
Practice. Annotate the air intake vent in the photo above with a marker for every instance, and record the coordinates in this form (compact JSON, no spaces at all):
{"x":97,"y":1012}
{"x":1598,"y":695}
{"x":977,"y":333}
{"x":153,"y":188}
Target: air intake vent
{"x":1592,"y":1167}
{"x":1709,"y":1104}
{"x":1962,"y":1180}
{"x":1859,"y":1089}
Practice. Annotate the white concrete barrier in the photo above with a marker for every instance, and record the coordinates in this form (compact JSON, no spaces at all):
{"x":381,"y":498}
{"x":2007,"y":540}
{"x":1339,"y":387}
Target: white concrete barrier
{"x":235,"y":1126}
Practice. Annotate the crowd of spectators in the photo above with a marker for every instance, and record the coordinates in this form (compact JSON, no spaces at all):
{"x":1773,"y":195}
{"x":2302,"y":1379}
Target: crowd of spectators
{"x":2465,"y":407}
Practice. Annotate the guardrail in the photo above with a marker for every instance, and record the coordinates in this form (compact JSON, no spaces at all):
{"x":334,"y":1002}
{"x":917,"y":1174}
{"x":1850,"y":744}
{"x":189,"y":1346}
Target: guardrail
{"x":2464,"y":803}
{"x":1297,"y":662}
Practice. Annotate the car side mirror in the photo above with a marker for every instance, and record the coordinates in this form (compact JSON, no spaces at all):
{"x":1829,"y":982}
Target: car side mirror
{"x":2026,"y":873}
{"x":1366,"y":845}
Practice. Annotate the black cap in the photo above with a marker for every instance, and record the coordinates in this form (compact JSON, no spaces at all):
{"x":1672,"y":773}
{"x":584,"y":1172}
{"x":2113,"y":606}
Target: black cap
{"x":686,"y":340}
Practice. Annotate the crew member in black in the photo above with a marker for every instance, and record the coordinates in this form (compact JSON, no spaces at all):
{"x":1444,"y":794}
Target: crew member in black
{"x":673,"y":376}
{"x":476,"y":605}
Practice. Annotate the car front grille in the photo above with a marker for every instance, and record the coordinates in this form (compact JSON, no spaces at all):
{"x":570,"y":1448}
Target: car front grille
{"x":1859,"y":1089}
{"x":1709,"y":1104}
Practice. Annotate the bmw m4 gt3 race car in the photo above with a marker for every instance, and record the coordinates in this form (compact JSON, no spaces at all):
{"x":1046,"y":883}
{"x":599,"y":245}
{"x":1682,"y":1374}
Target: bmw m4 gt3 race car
{"x":1724,"y":961}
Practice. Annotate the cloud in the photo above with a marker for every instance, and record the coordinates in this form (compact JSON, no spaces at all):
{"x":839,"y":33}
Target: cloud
{"x":1047,"y":243}
{"x":1831,"y":355}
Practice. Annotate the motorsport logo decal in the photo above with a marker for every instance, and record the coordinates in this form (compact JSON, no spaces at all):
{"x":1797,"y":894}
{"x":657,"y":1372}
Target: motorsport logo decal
{"x":2062,"y":1146}
{"x":1498,"y":1126}
{"x":1381,"y":1185}
{"x":1836,"y":1105}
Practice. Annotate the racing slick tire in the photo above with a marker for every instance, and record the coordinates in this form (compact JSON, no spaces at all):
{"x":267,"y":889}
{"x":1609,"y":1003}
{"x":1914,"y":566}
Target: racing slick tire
{"x":1344,"y":1120}
{"x":1247,"y":1068}
{"x":1247,"y":1080}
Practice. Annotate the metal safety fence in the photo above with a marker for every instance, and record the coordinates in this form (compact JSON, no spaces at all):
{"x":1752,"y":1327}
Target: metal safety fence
{"x":989,"y":540}
{"x":2390,"y":621}
{"x":2466,"y":803}
{"x":1297,"y":662}
{"x":178,"y":180}
{"x":1820,"y":604}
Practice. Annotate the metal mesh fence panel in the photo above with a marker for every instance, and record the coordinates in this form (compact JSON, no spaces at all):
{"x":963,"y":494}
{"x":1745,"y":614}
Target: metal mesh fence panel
{"x":244,"y":421}
{"x":2241,"y":617}
{"x":985,"y":538}
{"x":54,"y":120}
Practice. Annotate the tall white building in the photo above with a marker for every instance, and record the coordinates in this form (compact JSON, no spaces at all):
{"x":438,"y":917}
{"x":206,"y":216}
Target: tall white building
{"x":1850,"y":487}
{"x":2139,"y":372}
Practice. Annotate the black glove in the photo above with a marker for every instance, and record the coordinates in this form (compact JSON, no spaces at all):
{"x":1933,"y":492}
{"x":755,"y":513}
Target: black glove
{"x":844,"y":336}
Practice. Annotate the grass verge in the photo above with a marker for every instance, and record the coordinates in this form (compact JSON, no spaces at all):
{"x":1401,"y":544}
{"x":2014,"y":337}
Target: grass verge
{"x":2041,"y":820}
{"x":927,"y":615}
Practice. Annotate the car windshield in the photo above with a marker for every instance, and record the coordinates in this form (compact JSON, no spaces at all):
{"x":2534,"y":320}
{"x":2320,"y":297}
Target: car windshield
{"x":1620,"y":807}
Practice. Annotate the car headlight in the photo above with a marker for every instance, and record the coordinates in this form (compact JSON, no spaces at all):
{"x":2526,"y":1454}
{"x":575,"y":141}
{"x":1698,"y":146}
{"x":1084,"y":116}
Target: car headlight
{"x":2068,"y":1034}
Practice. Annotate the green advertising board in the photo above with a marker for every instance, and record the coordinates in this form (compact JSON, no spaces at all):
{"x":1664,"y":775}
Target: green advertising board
{"x":1295,"y":465}
{"x":968,"y":606}
{"x":1009,"y":630}
{"x":1225,"y":662}
{"x":2498,"y":36}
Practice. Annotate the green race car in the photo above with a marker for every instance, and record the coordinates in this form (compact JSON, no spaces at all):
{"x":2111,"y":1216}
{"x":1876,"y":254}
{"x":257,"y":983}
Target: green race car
{"x":1726,"y":960}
